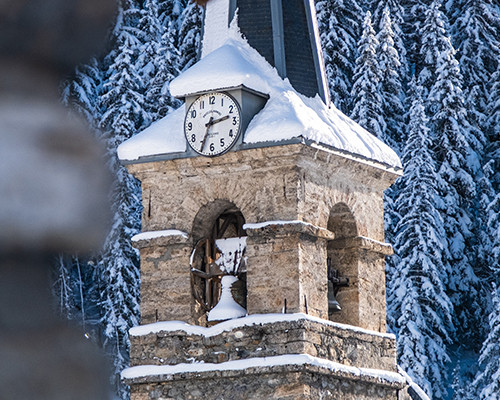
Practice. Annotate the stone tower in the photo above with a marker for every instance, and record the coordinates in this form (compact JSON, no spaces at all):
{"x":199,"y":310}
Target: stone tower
{"x":262,"y":252}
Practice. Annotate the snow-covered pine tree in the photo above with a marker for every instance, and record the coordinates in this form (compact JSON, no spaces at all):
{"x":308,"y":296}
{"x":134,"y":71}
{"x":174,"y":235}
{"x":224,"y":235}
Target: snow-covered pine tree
{"x":124,"y":115}
{"x":417,"y":299}
{"x":466,"y":352}
{"x":113,"y":95}
{"x":367,"y":110}
{"x":484,"y":213}
{"x":83,"y":91}
{"x":77,"y":286}
{"x":76,"y":289}
{"x":493,"y":129}
{"x":122,"y":96}
{"x":456,"y":164}
{"x":156,"y":60}
{"x":396,"y":13}
{"x":493,"y":211}
{"x":486,"y":386}
{"x":434,"y":42}
{"x":189,"y":40}
{"x":170,"y":10}
{"x":390,"y":87}
{"x":339,"y":24}
{"x":476,"y":33}
{"x":414,"y":19}
{"x":158,"y":96}
{"x":62,"y":287}
{"x":149,"y":34}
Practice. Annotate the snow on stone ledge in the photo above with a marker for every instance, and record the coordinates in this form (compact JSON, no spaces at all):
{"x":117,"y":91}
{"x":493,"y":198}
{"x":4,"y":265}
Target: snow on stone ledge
{"x":164,"y":136}
{"x":418,"y":390}
{"x":260,"y":225}
{"x":250,"y":320}
{"x":157,"y":234}
{"x":305,"y":226}
{"x":235,"y":365}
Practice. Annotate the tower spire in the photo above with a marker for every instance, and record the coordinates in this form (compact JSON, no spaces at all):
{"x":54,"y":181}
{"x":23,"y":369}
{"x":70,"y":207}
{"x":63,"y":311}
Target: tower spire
{"x":285,"y":33}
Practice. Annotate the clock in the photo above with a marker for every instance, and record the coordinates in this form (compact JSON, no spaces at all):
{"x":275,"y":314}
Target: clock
{"x":212,"y":123}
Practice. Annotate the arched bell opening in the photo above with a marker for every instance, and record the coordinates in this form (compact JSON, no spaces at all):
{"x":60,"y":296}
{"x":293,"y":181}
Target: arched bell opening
{"x":341,"y":261}
{"x":218,"y":269}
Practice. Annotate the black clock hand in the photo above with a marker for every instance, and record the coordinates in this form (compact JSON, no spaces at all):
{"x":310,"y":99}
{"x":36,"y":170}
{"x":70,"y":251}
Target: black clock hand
{"x":208,"y":125}
{"x":217,"y":120}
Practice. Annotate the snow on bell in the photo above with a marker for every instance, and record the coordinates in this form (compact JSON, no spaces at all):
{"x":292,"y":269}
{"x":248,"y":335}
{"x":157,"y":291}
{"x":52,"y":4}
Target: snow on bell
{"x":230,"y":261}
{"x":227,"y":307}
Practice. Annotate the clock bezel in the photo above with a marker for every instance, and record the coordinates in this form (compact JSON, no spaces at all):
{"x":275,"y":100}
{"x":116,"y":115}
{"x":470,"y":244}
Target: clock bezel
{"x":239,"y":128}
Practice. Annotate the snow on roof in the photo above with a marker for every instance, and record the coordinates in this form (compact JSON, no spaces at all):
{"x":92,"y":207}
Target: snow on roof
{"x":287,"y":114}
{"x":225,"y":67}
{"x":164,"y":136}
{"x":215,"y":29}
{"x":235,"y":365}
{"x":250,"y":320}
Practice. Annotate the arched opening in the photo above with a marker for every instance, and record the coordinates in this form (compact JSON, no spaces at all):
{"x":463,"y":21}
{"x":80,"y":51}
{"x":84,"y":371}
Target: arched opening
{"x":341,"y":222}
{"x":218,"y":259}
{"x":340,"y":264}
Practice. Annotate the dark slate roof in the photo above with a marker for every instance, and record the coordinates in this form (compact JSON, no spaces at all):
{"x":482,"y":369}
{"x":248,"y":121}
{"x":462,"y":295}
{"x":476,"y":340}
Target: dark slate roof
{"x":284,"y":32}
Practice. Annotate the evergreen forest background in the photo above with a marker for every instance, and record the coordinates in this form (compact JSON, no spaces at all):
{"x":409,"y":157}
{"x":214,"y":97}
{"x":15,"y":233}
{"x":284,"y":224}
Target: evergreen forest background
{"x":423,"y":76}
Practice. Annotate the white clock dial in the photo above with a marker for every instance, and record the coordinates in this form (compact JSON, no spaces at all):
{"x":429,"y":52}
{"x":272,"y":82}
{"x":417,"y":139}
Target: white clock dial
{"x":212,"y":123}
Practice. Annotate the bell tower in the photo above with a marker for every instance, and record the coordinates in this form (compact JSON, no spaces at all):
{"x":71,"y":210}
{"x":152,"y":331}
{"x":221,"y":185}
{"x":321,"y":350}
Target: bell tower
{"x":262,"y":251}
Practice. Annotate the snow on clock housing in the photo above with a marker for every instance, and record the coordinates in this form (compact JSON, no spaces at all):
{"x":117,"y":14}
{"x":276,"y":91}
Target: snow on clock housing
{"x":274,"y":113}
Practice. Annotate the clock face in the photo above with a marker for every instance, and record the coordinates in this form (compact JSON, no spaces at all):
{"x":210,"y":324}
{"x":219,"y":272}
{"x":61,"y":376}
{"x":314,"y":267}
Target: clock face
{"x":212,"y":123}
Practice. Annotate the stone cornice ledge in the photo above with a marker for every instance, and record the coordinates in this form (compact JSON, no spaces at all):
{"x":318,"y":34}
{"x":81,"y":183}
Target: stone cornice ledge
{"x":361,"y":242}
{"x":249,"y":320}
{"x":277,"y":228}
{"x":260,"y":365}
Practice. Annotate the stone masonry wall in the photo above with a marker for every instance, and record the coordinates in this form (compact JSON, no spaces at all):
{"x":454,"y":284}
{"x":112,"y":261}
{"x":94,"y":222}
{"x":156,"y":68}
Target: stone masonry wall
{"x":280,"y":382}
{"x":165,"y":279}
{"x":286,"y":267}
{"x":362,"y":261}
{"x":332,"y":342}
{"x":374,"y":355}
{"x":282,"y":183}
{"x":292,"y":182}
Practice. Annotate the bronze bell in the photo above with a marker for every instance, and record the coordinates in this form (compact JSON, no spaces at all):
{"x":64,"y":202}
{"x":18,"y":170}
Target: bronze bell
{"x":335,"y":282}
{"x":333,"y":304}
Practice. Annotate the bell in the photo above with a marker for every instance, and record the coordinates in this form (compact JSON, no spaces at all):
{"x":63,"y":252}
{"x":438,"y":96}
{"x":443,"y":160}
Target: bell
{"x":333,"y":304}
